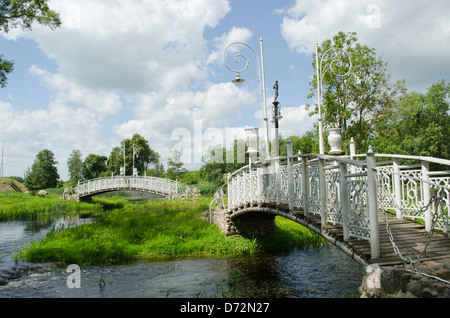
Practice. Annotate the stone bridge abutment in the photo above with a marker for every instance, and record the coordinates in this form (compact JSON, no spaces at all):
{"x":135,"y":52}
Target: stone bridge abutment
{"x":250,"y":224}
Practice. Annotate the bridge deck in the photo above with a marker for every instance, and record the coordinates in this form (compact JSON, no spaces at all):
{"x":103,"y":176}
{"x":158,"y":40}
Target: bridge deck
{"x":409,"y":236}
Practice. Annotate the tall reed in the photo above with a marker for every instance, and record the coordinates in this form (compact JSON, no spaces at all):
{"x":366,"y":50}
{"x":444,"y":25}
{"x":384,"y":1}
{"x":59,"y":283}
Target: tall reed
{"x":22,"y":206}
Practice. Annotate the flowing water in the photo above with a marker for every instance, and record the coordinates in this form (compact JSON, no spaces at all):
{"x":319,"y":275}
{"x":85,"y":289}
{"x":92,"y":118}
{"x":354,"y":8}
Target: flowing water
{"x":311,"y":272}
{"x":323,"y":272}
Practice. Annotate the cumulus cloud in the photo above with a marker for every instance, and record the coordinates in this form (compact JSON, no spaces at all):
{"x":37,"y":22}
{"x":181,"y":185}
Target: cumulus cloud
{"x":102,"y":102}
{"x":235,"y":34}
{"x":138,"y":57}
{"x":188,"y":114}
{"x":402,"y":31}
{"x":131,"y":46}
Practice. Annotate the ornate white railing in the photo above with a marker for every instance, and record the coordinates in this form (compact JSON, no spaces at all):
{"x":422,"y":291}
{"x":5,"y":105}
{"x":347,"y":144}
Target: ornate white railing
{"x":148,"y":184}
{"x":348,"y":192}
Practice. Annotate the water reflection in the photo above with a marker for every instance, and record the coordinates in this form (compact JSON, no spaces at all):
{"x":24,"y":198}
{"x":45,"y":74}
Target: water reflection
{"x":133,"y":196}
{"x":311,"y":272}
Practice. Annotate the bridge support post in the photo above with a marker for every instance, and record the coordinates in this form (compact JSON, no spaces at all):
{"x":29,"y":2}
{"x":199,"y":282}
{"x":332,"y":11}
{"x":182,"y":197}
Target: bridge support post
{"x":277,"y":181}
{"x":230,"y":192}
{"x":372,"y":204}
{"x":305,"y":185}
{"x":397,"y":188}
{"x":345,"y":199}
{"x":322,"y":192}
{"x":290,"y":176}
{"x":426,"y":194}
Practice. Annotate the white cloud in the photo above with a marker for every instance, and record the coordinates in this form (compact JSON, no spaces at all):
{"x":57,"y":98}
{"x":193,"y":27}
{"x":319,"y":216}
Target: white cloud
{"x":102,"y":102}
{"x":190,"y":113}
{"x":143,"y":53}
{"x":235,"y":34}
{"x":296,"y":121}
{"x":58,"y":128}
{"x":412,"y":36}
{"x":130,"y":46}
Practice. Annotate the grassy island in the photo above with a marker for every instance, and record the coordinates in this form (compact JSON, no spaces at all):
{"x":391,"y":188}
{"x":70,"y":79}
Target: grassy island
{"x":123,"y":232}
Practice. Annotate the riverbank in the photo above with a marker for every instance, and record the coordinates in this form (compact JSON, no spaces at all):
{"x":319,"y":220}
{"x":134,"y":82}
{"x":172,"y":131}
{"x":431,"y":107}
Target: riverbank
{"x":155,"y":230}
{"x":221,"y":266}
{"x":24,"y":206}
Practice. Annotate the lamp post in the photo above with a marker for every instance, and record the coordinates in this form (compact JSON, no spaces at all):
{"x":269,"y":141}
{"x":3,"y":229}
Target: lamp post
{"x":122,"y":169}
{"x":135,"y":153}
{"x":320,"y":75}
{"x":276,"y":116}
{"x":259,"y":70}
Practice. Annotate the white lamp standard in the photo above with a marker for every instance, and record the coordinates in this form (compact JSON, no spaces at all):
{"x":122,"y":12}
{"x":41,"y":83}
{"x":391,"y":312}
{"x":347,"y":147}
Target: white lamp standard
{"x":135,"y":154}
{"x":320,"y":75}
{"x":259,"y":70}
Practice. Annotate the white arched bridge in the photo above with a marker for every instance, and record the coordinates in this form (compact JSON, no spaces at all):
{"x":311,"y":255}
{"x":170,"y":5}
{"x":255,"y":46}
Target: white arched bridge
{"x":363,"y":204}
{"x":160,"y":186}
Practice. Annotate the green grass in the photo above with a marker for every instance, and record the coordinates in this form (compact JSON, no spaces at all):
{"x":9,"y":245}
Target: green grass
{"x":22,"y":206}
{"x":289,"y":235}
{"x":155,"y":230}
{"x":159,"y":229}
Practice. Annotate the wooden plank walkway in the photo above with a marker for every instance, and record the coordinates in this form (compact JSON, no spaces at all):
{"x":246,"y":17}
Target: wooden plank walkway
{"x":409,"y":237}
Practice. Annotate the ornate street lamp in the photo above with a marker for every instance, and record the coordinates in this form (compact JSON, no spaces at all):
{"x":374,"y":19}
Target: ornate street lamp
{"x":320,"y":75}
{"x":238,"y":57}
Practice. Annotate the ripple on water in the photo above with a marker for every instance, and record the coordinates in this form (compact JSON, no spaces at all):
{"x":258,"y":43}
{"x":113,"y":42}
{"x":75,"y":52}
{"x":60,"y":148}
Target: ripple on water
{"x":312,"y":272}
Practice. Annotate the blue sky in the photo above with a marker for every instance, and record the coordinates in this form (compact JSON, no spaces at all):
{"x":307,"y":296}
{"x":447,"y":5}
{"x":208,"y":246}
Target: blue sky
{"x":116,"y":68}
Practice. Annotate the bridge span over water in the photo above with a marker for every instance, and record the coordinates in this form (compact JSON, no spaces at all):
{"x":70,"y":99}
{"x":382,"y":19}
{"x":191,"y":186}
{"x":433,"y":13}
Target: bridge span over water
{"x":364,"y":204}
{"x":160,"y":186}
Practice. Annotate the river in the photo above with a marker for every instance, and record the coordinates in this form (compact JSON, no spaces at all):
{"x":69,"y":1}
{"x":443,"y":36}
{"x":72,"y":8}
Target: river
{"x":323,"y":272}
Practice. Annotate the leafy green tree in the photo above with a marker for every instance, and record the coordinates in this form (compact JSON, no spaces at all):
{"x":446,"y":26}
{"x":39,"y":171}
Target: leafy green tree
{"x":93,"y":166}
{"x":357,"y":101}
{"x":23,"y":13}
{"x":158,"y":171}
{"x":305,"y":144}
{"x":6,"y":67}
{"x":219,"y":162}
{"x":420,"y":126}
{"x":175,"y":166}
{"x":144,"y":157}
{"x":74,"y":165}
{"x":43,"y":173}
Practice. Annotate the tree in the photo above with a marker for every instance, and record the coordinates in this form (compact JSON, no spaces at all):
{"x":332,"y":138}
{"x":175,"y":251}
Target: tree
{"x":93,"y":166}
{"x":144,"y":156}
{"x":305,"y":144}
{"x":421,"y":125}
{"x":175,"y":166}
{"x":220,"y":161}
{"x":23,"y":13}
{"x":33,"y":180}
{"x":6,"y":67}
{"x":356,"y":102}
{"x":74,"y":165}
{"x":43,"y":173}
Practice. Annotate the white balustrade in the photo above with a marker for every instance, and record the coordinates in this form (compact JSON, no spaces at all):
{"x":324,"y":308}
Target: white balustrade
{"x":346,"y":191}
{"x":149,"y":184}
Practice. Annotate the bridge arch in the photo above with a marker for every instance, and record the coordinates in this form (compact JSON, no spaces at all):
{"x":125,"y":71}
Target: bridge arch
{"x":159,"y":186}
{"x":355,"y":203}
{"x":261,"y":218}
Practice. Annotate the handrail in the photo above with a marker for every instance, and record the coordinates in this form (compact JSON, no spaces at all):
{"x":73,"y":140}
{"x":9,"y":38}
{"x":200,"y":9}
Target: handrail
{"x":167,"y":186}
{"x":421,"y":158}
{"x":343,"y":190}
